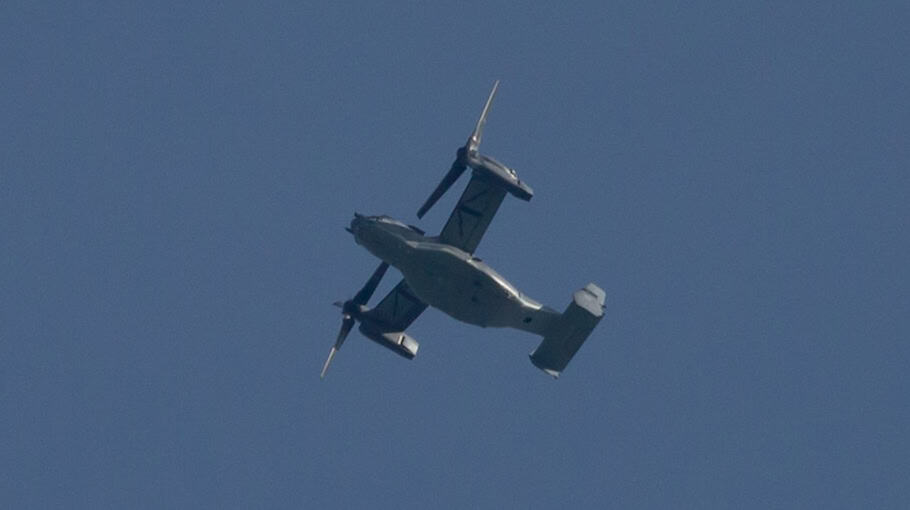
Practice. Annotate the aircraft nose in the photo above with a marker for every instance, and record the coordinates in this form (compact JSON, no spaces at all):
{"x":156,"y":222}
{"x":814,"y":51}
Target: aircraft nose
{"x":356,"y":223}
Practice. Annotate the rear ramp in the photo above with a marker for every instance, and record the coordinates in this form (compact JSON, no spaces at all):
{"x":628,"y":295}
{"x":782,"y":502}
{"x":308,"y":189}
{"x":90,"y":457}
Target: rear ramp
{"x":571,"y":330}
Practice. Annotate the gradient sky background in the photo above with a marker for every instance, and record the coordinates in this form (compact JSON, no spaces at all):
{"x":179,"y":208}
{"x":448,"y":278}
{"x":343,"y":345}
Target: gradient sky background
{"x":173,"y":185}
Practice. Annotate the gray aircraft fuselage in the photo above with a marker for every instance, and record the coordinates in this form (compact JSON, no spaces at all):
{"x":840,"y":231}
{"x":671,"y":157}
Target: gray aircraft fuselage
{"x":450,"y":279}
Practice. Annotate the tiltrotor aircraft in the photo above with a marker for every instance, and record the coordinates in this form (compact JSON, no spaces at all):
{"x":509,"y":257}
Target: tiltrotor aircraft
{"x":442,"y":271}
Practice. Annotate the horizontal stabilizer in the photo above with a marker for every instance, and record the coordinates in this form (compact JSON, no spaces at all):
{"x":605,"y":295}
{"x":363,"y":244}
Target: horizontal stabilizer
{"x":570,"y":331}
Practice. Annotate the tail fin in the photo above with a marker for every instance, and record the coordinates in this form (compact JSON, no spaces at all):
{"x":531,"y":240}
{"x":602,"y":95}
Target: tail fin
{"x":570,"y":330}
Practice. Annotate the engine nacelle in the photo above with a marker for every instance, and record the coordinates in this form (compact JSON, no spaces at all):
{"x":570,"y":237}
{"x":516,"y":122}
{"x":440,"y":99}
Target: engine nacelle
{"x":501,"y":175}
{"x":397,"y":341}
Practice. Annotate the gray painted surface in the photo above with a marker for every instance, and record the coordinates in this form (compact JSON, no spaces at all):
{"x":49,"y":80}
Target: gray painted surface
{"x":464,"y":287}
{"x":441,"y":271}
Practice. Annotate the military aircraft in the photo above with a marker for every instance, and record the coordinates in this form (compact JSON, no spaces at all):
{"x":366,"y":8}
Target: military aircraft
{"x":442,"y":271}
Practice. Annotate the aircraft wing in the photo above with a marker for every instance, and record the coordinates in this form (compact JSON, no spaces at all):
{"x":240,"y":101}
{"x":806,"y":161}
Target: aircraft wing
{"x":397,"y":310}
{"x":473,"y":213}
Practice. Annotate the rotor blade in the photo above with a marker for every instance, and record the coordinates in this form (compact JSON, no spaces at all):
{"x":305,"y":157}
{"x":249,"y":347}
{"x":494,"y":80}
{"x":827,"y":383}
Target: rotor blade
{"x":370,"y":286}
{"x":458,"y":166}
{"x":461,"y":158}
{"x":346,"y":325}
{"x":327,"y":362}
{"x":478,"y":130}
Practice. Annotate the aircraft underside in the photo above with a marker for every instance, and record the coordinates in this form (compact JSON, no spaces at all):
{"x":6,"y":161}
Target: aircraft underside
{"x":470,"y":291}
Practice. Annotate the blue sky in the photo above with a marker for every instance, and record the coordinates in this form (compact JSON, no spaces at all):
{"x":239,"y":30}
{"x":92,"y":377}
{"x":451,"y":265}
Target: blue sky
{"x":173,"y":185}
